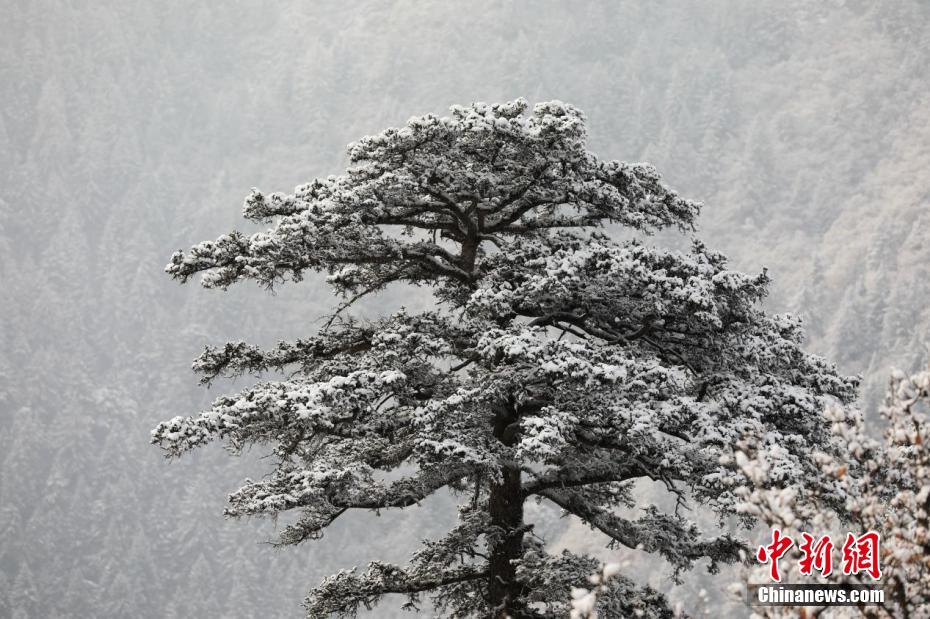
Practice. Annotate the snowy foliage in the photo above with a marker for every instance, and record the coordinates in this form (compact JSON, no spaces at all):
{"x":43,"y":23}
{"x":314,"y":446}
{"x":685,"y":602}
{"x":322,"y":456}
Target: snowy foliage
{"x":557,"y":365}
{"x":886,"y":487}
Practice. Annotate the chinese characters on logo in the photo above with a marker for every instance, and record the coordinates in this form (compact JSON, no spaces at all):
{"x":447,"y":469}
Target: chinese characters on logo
{"x":860,"y":554}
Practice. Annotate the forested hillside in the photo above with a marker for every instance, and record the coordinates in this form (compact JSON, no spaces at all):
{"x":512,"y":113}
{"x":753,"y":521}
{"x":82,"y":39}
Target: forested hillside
{"x":131,"y":129}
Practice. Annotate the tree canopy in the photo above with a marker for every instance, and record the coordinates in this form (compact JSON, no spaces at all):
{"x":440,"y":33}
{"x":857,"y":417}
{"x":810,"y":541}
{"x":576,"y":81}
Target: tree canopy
{"x":557,"y":364}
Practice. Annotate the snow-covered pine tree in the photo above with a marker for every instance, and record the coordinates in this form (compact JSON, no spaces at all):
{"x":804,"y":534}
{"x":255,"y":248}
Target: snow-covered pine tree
{"x":557,"y":364}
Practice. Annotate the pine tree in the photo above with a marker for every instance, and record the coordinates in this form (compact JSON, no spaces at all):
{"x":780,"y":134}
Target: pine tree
{"x":557,"y":365}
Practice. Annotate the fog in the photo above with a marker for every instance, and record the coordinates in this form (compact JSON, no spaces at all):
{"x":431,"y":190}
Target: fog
{"x":129,"y":130}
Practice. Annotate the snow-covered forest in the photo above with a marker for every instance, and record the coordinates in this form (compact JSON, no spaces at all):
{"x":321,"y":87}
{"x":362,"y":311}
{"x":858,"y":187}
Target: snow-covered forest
{"x":129,"y":130}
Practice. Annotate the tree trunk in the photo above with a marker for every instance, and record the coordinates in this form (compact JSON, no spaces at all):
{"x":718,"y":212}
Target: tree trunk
{"x":506,"y":511}
{"x":468,"y":255}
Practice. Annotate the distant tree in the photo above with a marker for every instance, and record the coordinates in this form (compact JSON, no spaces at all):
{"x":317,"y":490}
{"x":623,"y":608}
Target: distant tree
{"x":557,"y":364}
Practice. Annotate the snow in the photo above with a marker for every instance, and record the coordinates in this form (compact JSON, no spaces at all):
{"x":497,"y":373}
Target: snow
{"x":583,"y":364}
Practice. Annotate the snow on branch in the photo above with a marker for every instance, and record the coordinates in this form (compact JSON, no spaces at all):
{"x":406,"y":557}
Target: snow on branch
{"x":557,"y":363}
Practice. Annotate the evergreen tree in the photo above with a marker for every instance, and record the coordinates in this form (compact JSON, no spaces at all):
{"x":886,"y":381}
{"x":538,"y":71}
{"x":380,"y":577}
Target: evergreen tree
{"x":557,"y":365}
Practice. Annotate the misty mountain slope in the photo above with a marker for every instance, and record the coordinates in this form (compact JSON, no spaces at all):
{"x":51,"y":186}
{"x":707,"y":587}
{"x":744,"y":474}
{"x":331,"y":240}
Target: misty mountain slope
{"x":878,"y":256}
{"x":131,"y":129}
